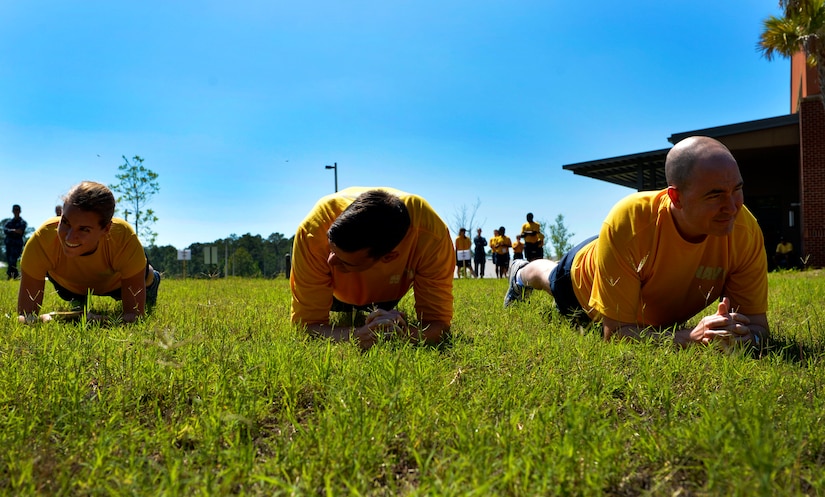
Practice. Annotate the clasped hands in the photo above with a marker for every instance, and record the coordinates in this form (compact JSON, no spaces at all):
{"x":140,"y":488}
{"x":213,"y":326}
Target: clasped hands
{"x":386,"y":324}
{"x":725,"y":327}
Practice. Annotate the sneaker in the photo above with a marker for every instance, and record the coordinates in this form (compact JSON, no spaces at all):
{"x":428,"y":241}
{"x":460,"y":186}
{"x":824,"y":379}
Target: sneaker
{"x":516,"y":292}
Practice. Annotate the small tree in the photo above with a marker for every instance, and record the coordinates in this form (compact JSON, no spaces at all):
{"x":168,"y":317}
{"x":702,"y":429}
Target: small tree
{"x":559,"y":238}
{"x":137,"y":184}
{"x":465,"y":218}
{"x":243,"y":264}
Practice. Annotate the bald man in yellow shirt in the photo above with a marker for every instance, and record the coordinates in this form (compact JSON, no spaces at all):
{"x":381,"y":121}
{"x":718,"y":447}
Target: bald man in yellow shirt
{"x":661,"y":257}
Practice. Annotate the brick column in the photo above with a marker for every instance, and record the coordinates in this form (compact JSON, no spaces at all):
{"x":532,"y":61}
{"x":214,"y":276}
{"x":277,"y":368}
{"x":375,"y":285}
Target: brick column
{"x":812,"y":178}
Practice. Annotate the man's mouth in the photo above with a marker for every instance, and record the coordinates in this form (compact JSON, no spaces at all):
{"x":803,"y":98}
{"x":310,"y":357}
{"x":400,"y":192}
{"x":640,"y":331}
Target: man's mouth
{"x":72,"y":245}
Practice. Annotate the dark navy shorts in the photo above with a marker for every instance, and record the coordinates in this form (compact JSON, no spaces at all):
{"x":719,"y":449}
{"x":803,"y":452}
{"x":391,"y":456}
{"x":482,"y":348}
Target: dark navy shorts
{"x":339,"y":306}
{"x":561,"y":284}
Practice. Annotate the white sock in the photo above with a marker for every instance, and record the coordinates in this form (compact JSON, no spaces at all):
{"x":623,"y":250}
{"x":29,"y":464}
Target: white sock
{"x":519,"y":280}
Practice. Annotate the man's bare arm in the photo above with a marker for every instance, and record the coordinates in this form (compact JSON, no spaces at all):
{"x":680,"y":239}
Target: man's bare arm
{"x":29,"y":297}
{"x":732,"y":327}
{"x":382,"y":323}
{"x":430,"y":332}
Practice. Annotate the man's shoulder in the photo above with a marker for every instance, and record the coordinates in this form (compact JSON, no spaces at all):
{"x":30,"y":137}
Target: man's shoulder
{"x":639,"y":205}
{"x":121,"y":232}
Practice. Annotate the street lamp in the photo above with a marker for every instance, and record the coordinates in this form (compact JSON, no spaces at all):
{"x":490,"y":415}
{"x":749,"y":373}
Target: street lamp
{"x":335,"y":166}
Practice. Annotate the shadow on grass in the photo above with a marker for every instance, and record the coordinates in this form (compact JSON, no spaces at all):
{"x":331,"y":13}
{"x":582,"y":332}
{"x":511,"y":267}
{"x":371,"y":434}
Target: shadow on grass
{"x":793,"y":351}
{"x":788,"y":349}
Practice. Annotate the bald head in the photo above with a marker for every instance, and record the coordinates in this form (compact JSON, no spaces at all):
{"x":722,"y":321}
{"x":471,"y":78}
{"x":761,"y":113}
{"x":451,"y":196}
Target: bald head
{"x":683,"y":157}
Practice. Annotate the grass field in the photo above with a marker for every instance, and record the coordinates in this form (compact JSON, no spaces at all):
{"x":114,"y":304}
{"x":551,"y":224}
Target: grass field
{"x":216,"y":394}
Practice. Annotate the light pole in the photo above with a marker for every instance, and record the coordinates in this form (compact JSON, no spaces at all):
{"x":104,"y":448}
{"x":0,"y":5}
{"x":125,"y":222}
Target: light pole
{"x":335,"y":166}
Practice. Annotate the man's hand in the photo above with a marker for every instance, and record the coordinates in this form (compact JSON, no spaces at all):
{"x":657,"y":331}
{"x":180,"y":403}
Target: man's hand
{"x":725,"y":327}
{"x":33,"y":318}
{"x":387,"y":324}
{"x":61,"y":316}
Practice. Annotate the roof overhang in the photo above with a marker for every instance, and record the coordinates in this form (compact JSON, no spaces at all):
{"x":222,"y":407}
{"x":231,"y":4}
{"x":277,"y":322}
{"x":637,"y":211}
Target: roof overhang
{"x":646,"y":170}
{"x":642,"y":171}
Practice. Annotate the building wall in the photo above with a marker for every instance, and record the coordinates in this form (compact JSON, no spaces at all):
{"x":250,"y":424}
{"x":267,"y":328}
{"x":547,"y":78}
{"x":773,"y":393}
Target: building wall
{"x":812,"y":179}
{"x":771,"y":176}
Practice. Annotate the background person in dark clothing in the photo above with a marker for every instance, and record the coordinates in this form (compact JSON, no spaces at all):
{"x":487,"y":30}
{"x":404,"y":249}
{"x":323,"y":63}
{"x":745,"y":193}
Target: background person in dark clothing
{"x":14,"y":230}
{"x":479,"y":254}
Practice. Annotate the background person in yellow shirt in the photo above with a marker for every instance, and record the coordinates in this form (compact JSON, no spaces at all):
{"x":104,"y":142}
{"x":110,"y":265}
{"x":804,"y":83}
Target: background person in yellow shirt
{"x":463,"y":255}
{"x":502,"y":249}
{"x":531,"y":232}
{"x":494,"y":252}
{"x":784,"y":254}
{"x":518,"y":248}
{"x":663,"y":256}
{"x":360,"y":251}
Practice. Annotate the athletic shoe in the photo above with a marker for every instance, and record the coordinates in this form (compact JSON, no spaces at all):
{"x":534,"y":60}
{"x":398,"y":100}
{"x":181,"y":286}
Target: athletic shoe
{"x":516,"y":292}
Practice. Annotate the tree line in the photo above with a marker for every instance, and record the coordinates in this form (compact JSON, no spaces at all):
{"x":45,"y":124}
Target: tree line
{"x":248,"y":256}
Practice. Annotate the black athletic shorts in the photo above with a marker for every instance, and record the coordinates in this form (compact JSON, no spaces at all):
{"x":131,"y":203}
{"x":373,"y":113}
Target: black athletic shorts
{"x":561,"y":284}
{"x":339,"y":306}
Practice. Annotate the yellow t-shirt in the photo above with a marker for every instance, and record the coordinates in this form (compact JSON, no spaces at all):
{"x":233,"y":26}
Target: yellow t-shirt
{"x":463,"y":243}
{"x":640,"y":270}
{"x":518,"y":247}
{"x":119,"y":255}
{"x":426,"y":263}
{"x":784,"y":248}
{"x":503,"y":245}
{"x":530,"y":232}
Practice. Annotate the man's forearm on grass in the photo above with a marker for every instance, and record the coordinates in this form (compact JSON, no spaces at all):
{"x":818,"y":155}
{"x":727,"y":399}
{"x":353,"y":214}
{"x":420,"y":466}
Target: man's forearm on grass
{"x":324,"y":330}
{"x":429,"y":332}
{"x":680,"y":337}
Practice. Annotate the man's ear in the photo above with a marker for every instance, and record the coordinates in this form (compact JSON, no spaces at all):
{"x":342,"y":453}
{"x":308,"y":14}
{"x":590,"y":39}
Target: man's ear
{"x":675,"y":197}
{"x":390,"y":257}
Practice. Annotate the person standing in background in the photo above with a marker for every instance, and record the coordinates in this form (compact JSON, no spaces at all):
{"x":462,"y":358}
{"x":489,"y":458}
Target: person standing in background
{"x":518,"y":248}
{"x":531,"y":232}
{"x":463,"y":254}
{"x":503,"y":249}
{"x":494,"y":252}
{"x":479,"y":254}
{"x":15,"y":230}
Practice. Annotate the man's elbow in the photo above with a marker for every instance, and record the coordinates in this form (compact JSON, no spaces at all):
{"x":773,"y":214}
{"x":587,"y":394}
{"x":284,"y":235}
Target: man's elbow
{"x":434,"y":332}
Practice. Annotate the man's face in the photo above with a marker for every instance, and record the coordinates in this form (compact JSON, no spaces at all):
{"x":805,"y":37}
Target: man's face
{"x":350,"y":262}
{"x":79,"y":231}
{"x":710,"y":203}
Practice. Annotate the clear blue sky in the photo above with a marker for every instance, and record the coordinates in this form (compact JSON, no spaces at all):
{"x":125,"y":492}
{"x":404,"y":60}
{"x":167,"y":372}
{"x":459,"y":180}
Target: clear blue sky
{"x":239,"y":105}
